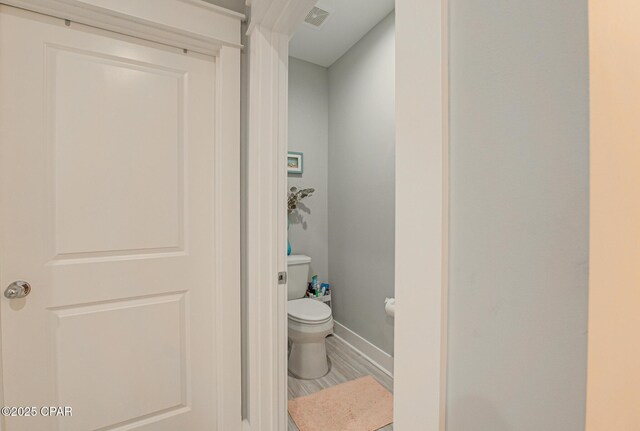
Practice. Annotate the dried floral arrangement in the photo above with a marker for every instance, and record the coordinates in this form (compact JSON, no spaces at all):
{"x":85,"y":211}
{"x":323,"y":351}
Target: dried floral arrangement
{"x":295,"y":196}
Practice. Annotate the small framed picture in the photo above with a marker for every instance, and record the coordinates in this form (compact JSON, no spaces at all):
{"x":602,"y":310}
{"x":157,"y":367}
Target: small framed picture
{"x":294,"y":163}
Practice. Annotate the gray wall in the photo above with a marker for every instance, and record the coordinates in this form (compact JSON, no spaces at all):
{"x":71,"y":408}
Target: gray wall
{"x":244,"y":161}
{"x":309,"y":134}
{"x":236,"y":5}
{"x":519,"y":215}
{"x":362,"y":184}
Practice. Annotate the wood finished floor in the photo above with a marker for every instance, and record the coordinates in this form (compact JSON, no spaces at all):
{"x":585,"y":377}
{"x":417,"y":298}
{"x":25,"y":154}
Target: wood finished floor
{"x":346,"y":365}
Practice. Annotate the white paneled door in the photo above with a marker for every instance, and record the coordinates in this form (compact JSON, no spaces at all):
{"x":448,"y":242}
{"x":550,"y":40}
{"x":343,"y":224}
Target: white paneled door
{"x":108,"y":206}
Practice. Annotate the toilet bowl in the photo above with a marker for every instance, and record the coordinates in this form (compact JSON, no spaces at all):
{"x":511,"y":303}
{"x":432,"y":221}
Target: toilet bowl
{"x":309,"y":323}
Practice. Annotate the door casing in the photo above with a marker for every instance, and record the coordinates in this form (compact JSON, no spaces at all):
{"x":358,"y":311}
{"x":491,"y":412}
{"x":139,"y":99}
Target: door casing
{"x":213,"y":31}
{"x":421,"y":224}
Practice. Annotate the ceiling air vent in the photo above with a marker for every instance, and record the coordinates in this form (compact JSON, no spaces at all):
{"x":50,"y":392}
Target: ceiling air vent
{"x":317,"y":17}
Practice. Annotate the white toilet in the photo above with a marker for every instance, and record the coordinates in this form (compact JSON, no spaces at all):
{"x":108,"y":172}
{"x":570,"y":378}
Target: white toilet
{"x":310,"y":321}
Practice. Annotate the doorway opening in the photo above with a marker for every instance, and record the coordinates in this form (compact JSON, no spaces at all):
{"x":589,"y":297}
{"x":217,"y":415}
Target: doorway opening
{"x":341,"y":216}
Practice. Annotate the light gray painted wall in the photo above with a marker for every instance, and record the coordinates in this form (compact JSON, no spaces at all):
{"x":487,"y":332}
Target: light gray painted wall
{"x":244,"y":179}
{"x":519,"y":215}
{"x":236,"y":5}
{"x":362,"y":184}
{"x":309,"y":134}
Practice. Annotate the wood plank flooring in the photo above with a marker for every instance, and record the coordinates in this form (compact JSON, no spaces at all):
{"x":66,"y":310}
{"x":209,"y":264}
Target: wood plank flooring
{"x":346,"y":365}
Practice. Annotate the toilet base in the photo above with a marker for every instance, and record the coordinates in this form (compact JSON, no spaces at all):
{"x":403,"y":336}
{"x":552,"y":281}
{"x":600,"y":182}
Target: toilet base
{"x":308,"y":360}
{"x":308,"y":354}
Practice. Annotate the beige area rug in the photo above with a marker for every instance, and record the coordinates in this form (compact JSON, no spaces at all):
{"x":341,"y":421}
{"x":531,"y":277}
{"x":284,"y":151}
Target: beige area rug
{"x":358,"y":405}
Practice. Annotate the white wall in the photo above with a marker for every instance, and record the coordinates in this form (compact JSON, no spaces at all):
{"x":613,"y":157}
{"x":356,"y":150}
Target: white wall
{"x":362,"y":184}
{"x":309,"y":134}
{"x":519,"y":215}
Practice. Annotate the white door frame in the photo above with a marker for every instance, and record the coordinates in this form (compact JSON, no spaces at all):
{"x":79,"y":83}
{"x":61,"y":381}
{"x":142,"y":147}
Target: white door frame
{"x":421,"y":224}
{"x":213,"y":31}
{"x":271,"y":26}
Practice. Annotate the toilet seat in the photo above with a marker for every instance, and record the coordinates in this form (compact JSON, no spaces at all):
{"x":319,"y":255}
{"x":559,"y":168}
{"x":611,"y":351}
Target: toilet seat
{"x":309,"y":311}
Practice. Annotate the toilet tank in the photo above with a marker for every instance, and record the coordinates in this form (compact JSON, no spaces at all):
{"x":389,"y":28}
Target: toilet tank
{"x":297,"y":276}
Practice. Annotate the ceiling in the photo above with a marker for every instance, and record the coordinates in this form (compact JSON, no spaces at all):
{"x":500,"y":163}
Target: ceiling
{"x":348,"y":22}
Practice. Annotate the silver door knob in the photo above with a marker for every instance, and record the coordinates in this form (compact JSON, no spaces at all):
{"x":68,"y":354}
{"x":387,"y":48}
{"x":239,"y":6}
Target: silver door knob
{"x":17,"y":289}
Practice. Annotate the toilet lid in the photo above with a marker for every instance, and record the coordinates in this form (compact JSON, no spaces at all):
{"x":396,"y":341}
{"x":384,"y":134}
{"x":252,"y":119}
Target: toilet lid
{"x":307,"y":310}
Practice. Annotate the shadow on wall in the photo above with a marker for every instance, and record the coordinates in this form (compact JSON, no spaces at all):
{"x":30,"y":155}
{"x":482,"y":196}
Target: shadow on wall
{"x":297,"y":217}
{"x":475,"y":414}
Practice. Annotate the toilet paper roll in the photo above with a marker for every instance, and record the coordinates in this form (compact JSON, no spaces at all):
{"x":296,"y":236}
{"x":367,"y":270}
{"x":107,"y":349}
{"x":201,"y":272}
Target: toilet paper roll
{"x":390,"y":306}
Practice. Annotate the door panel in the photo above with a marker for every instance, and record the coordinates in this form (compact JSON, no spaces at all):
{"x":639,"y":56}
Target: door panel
{"x":129,"y":178}
{"x":152,"y":333}
{"x":107,"y":207}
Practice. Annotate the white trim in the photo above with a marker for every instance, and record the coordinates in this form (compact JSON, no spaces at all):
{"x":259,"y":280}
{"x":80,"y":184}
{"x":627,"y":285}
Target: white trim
{"x":272,"y":22}
{"x":421,"y":224}
{"x":132,"y":23}
{"x":267,"y":316}
{"x":372,"y":353}
{"x":228,"y":312}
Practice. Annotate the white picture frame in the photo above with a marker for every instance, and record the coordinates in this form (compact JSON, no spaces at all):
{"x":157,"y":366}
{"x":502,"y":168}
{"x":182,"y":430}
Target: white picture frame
{"x":294,"y":163}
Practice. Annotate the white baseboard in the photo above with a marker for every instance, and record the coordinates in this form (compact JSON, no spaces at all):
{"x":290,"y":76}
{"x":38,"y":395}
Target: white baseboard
{"x":373,"y":354}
